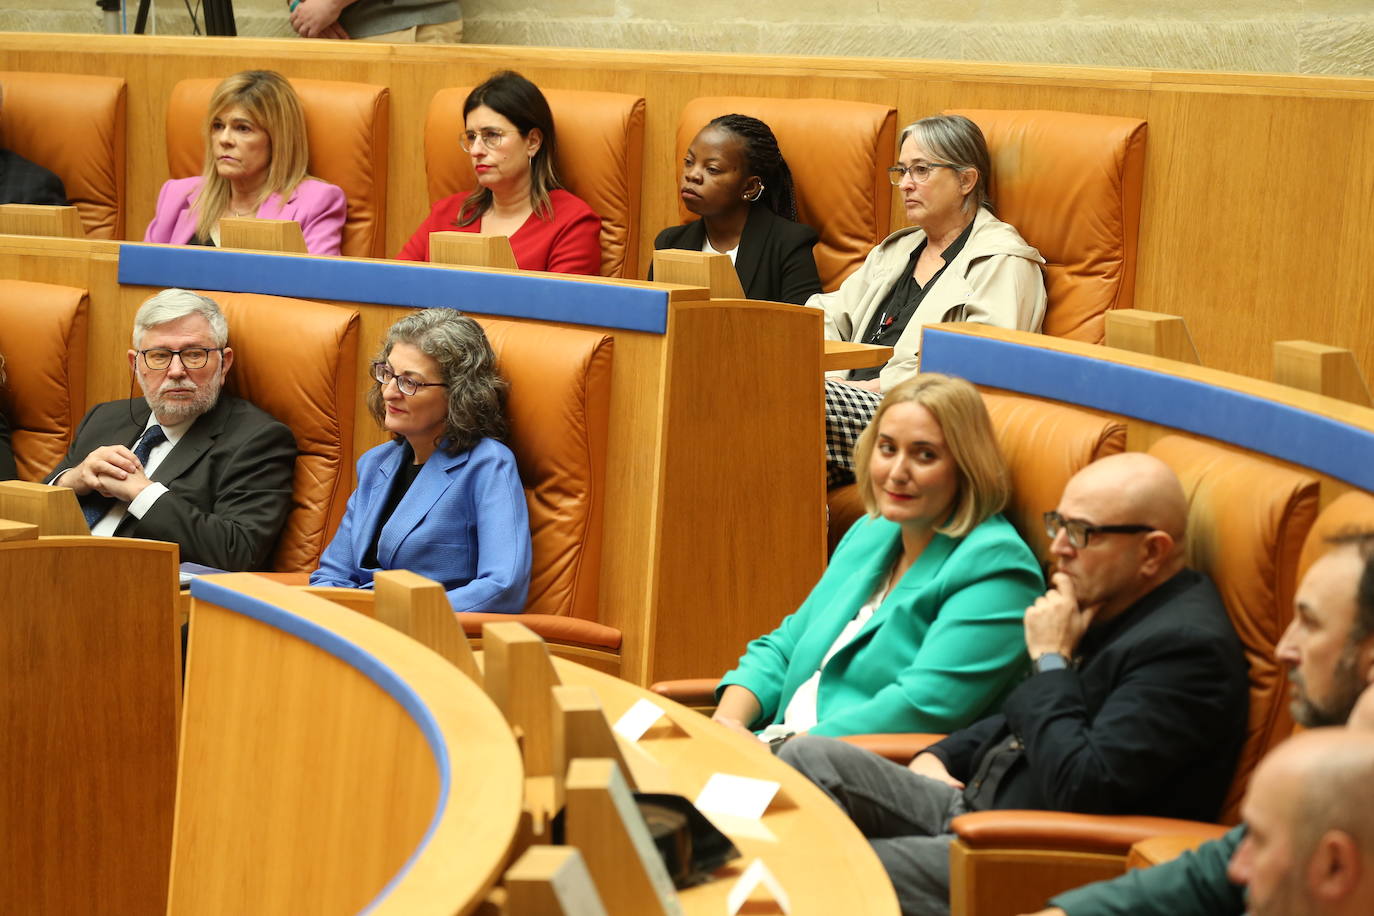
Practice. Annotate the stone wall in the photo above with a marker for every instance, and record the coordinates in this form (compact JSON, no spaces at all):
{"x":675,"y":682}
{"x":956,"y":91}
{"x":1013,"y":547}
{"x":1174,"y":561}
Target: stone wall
{"x":1332,"y":37}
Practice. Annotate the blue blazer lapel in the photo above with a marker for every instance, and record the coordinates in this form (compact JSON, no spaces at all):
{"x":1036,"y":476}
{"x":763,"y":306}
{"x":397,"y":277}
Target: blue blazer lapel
{"x":433,"y":480}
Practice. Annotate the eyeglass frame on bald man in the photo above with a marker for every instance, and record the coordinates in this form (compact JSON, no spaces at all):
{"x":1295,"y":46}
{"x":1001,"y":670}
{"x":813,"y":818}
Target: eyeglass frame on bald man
{"x":1080,"y":533}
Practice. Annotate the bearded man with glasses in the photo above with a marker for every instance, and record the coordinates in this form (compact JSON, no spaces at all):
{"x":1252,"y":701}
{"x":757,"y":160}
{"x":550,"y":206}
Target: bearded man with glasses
{"x":1137,"y":705}
{"x":212,"y":474}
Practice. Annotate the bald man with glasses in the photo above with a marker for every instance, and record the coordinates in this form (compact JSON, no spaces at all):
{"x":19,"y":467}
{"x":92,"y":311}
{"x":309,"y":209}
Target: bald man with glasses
{"x":212,"y":474}
{"x":1137,"y":703}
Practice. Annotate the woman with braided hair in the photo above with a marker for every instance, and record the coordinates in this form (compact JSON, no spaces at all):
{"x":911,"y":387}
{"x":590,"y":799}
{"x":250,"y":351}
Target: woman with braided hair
{"x":735,"y":179}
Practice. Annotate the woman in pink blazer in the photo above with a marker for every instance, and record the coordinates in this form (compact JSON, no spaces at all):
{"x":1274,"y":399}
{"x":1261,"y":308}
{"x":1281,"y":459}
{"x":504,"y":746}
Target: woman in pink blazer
{"x":255,"y":165}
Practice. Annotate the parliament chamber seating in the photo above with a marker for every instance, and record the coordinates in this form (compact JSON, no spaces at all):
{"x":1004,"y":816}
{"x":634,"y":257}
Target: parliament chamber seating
{"x":348,"y":127}
{"x":838,"y":152}
{"x":297,"y":360}
{"x":73,"y":126}
{"x":600,"y":159}
{"x":43,"y":340}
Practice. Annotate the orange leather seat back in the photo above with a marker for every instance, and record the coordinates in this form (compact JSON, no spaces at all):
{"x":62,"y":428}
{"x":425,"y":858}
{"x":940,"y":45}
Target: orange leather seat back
{"x":43,"y":340}
{"x":1352,"y":511}
{"x":297,"y":360}
{"x":1044,"y":444}
{"x":838,"y":152}
{"x":1247,"y":521}
{"x":346,"y":125}
{"x":559,"y":408}
{"x":1071,"y":185}
{"x":600,"y":159}
{"x":73,"y":126}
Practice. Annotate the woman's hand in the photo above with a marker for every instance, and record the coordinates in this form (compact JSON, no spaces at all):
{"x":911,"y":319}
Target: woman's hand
{"x":738,"y":708}
{"x":735,"y":725}
{"x":928,"y":765}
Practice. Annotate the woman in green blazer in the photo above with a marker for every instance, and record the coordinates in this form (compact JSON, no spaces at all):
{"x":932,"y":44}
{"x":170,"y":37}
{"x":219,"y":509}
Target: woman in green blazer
{"x":916,"y":624}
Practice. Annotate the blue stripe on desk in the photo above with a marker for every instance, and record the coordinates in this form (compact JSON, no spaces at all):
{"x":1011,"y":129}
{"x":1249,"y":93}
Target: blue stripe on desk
{"x":1289,"y":433}
{"x":507,"y":295}
{"x":370,"y":666}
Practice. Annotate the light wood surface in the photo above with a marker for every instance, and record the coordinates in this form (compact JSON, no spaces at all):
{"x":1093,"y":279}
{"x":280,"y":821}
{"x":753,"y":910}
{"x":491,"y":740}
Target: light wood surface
{"x":419,"y":608}
{"x":472,"y":249}
{"x":261,"y":234}
{"x":1330,"y":371}
{"x":551,"y":881}
{"x":17,"y":531}
{"x":813,"y":848}
{"x":519,"y":677}
{"x":1151,"y":333}
{"x":306,"y":786}
{"x":31,"y":219}
{"x":1209,"y":250}
{"x":90,"y":655}
{"x":712,"y":271}
{"x":843,"y":354}
{"x":54,"y":510}
{"x":580,"y":729}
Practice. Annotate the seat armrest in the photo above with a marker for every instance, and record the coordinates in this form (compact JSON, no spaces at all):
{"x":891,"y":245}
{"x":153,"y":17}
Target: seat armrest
{"x":691,"y":691}
{"x":1056,"y":830}
{"x":897,"y":747}
{"x":1160,"y":849}
{"x":552,"y":628}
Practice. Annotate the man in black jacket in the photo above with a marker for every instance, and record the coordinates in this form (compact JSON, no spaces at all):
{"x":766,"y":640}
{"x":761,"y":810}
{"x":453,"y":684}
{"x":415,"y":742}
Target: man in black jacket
{"x":1137,"y":705}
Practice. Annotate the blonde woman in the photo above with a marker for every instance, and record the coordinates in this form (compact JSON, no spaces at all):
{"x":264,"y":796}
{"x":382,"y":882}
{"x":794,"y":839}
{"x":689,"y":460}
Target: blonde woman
{"x":255,"y":165}
{"x":915,"y":625}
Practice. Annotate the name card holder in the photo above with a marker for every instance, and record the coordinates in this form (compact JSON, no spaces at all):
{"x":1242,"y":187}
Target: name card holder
{"x":54,"y":510}
{"x":1152,"y":334}
{"x":252,"y":234}
{"x":714,"y":271}
{"x":471,"y":249}
{"x":1321,"y":369}
{"x":34,"y":219}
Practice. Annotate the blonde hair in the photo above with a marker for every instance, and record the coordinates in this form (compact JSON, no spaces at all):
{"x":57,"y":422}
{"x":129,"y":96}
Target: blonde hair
{"x":984,"y":482}
{"x":272,"y":105}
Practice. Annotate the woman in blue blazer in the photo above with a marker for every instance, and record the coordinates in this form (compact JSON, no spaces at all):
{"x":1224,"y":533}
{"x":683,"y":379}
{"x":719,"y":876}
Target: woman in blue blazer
{"x":735,"y":179}
{"x":915,"y":626}
{"x":442,"y":499}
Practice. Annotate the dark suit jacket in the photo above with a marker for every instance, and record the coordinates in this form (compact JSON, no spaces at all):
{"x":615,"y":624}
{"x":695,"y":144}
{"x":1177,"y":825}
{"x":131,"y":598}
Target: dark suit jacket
{"x":7,"y":468}
{"x":774,"y":262}
{"x":228,"y":480}
{"x":1149,"y":722}
{"x":23,"y":182}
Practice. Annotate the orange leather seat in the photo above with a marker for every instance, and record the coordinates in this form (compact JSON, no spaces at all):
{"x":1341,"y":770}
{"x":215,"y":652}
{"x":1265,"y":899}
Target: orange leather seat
{"x":1248,"y":519}
{"x":838,"y":152}
{"x":74,"y":127}
{"x":43,"y":339}
{"x":600,"y":154}
{"x":347,"y":126}
{"x":1071,"y":184}
{"x":297,"y":360}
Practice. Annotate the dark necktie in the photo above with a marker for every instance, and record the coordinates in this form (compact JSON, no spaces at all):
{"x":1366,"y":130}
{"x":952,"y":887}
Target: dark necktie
{"x":93,"y":505}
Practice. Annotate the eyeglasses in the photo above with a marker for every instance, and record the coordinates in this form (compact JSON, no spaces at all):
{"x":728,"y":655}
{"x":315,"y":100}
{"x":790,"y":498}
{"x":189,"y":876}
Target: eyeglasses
{"x":491,"y":138}
{"x":1081,"y":533}
{"x":407,"y":385}
{"x":159,"y":358}
{"x":920,"y":172}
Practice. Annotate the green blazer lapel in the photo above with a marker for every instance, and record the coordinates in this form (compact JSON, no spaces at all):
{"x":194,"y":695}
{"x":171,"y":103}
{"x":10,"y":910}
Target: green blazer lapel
{"x":922,"y":572}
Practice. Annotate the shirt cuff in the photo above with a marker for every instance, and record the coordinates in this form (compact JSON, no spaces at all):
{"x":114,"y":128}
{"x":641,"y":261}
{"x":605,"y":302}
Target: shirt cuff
{"x":144,"y":501}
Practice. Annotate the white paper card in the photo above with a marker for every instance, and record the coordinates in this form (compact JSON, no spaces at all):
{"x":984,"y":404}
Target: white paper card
{"x":737,"y":828}
{"x":637,"y":720}
{"x":757,"y":873}
{"x":739,"y":796}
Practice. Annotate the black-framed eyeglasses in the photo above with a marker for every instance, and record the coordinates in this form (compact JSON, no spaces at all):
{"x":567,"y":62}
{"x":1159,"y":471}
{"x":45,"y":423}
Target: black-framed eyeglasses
{"x":920,"y":172}
{"x":407,"y":385}
{"x":1081,"y":533}
{"x":491,"y":138}
{"x":159,"y":358}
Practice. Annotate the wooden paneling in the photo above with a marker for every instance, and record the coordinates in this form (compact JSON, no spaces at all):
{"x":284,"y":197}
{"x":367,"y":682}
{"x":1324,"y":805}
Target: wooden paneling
{"x":1255,"y":223}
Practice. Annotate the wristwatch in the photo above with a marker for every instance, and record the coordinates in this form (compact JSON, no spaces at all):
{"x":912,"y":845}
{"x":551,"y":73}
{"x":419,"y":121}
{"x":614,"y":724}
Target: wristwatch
{"x":1051,"y":661}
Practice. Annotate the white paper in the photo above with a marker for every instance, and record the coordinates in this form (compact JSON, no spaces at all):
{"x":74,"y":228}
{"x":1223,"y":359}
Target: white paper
{"x":741,"y":828}
{"x":637,"y":720}
{"x":757,"y":873}
{"x":738,"y":796}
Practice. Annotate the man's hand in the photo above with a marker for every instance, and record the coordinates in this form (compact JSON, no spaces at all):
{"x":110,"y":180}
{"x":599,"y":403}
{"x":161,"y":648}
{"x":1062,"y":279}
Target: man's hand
{"x":1055,"y":622}
{"x":126,"y":488}
{"x":933,"y":767}
{"x":107,"y":464}
{"x":318,"y":19}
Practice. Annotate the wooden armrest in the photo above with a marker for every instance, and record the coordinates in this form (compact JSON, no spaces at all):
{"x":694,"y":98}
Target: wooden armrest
{"x":1160,"y":849}
{"x":841,"y":354}
{"x":691,"y":691}
{"x":897,"y":747}
{"x":552,"y":628}
{"x":1056,"y":830}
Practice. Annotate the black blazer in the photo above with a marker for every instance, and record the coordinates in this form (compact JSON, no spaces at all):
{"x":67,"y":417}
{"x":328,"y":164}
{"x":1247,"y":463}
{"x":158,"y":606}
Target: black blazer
{"x":774,"y":262}
{"x":228,"y":480}
{"x":23,"y":182}
{"x":1149,"y":722}
{"x":7,"y":468}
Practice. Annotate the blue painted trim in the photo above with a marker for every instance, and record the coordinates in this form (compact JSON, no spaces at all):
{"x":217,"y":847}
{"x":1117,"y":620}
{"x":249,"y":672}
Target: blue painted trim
{"x":371,"y":667}
{"x":506,"y":295}
{"x":1325,"y":445}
